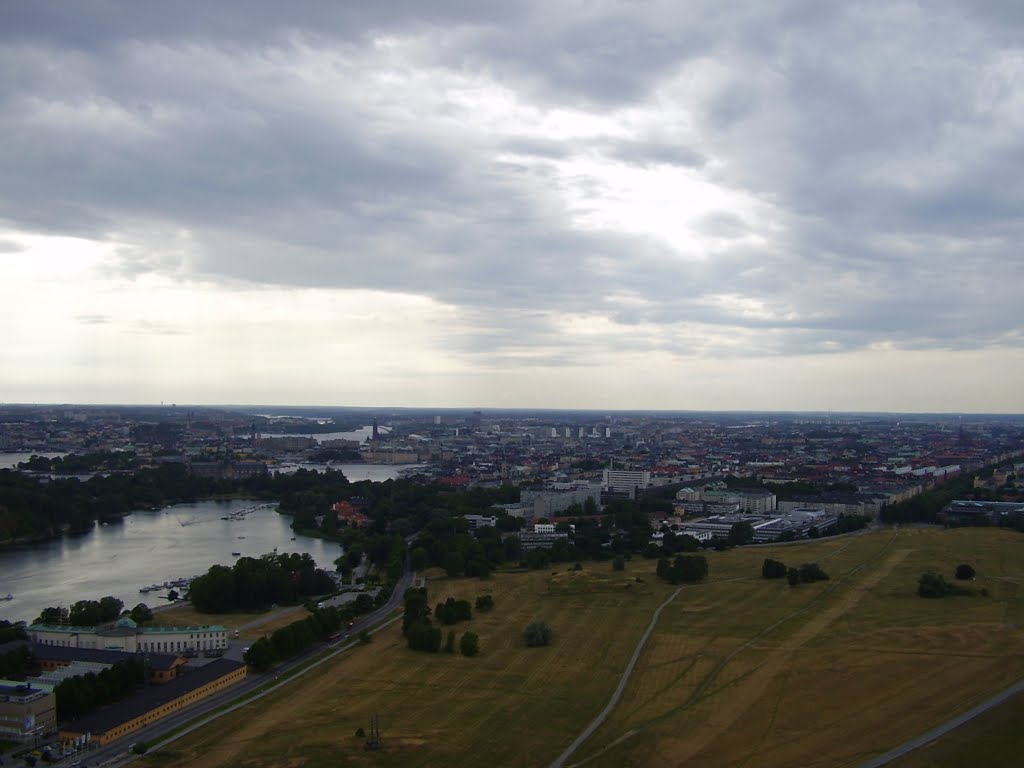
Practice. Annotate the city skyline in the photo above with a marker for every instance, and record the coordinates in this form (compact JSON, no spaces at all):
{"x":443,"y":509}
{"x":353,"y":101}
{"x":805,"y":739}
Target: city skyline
{"x":714,"y":207}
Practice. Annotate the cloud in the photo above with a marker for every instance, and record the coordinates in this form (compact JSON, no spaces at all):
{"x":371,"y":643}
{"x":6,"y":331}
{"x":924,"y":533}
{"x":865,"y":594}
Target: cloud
{"x":696,"y":180}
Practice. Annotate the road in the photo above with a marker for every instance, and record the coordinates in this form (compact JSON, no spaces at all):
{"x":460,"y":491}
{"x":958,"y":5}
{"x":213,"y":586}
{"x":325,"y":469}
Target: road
{"x":160,"y":733}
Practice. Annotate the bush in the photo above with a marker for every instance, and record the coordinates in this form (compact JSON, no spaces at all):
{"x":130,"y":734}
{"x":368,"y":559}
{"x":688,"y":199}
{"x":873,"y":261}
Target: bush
{"x":485,"y":603}
{"x":793,"y":577}
{"x":931,"y":584}
{"x":538,"y":633}
{"x":773,"y":569}
{"x":964,"y":572}
{"x":469,"y":645}
{"x":619,"y":563}
{"x":812,"y":572}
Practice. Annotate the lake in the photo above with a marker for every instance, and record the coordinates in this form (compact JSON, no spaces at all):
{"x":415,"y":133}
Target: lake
{"x":149,"y":547}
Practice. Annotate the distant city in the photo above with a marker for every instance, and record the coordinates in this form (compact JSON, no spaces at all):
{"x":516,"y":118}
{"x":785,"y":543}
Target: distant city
{"x":877,"y":459}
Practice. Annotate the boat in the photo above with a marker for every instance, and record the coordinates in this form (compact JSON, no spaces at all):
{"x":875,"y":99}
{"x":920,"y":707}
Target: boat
{"x":236,"y":554}
{"x":7,"y":597}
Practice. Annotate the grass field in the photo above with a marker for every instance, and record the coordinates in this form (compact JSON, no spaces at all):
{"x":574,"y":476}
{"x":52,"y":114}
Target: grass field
{"x":994,"y":740}
{"x":739,"y":671}
{"x":184,"y":615}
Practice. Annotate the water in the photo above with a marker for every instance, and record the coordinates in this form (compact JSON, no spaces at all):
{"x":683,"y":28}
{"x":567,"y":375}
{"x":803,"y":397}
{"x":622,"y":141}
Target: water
{"x":360,"y":435}
{"x":378,"y":473}
{"x":147,"y":548}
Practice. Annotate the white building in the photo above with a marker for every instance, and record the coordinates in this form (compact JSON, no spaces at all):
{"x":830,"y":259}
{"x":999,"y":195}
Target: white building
{"x":125,"y":635}
{"x":626,"y":480}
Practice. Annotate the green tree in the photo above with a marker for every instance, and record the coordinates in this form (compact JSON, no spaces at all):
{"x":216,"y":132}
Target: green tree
{"x":931,"y":584}
{"x":793,"y":577}
{"x":741,"y":533}
{"x":469,"y":645}
{"x":484,"y":603}
{"x":449,"y":643}
{"x":773,"y":569}
{"x":810,"y":572}
{"x":110,"y":608}
{"x":141,"y":614}
{"x":964,"y":572}
{"x":261,"y":655}
{"x":538,"y":633}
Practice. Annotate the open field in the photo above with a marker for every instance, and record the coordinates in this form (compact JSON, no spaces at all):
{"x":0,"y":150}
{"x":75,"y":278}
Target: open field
{"x":184,"y":615}
{"x":740,"y":671}
{"x":994,"y":740}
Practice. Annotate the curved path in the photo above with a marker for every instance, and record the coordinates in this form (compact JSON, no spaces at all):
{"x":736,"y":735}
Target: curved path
{"x":926,"y":738}
{"x":596,"y":723}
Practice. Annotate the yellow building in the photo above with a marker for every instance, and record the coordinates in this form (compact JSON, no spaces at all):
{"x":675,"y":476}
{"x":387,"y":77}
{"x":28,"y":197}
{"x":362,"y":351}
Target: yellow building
{"x":155,"y":702}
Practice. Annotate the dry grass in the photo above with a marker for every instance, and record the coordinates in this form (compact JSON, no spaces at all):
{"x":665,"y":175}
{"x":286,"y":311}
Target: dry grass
{"x":994,"y":739}
{"x":184,"y":615}
{"x":740,"y":671}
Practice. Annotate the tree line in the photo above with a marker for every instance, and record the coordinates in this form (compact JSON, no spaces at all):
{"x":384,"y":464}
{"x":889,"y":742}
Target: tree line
{"x":80,"y":695}
{"x":254,"y":584}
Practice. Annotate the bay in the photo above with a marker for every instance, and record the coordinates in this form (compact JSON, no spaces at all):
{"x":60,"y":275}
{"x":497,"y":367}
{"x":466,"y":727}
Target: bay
{"x":148,"y":547}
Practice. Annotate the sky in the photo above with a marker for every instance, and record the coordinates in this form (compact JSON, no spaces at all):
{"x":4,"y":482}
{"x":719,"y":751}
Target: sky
{"x":707,"y":205}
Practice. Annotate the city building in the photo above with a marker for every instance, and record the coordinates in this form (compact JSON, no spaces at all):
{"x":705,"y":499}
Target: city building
{"x":28,"y":711}
{"x":625,"y":480}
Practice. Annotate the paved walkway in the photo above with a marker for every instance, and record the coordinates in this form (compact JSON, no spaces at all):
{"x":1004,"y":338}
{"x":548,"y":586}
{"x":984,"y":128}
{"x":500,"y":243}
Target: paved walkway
{"x":560,"y":761}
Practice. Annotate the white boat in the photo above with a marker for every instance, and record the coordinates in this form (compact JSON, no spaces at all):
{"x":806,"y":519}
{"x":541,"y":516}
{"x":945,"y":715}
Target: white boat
{"x":7,"y":597}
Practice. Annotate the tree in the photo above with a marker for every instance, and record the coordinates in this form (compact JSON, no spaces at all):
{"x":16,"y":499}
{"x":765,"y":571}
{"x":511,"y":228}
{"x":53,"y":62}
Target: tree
{"x":931,"y":584}
{"x":53,"y":615}
{"x":773,"y":569}
{"x":110,"y":608}
{"x":419,"y":558}
{"x":484,"y":603}
{"x":688,"y":568}
{"x":810,"y":572}
{"x":469,"y":645}
{"x":741,"y":533}
{"x":793,"y":577}
{"x":964,"y":572}
{"x":141,"y":614}
{"x":538,"y":633}
{"x":423,"y":636}
{"x":619,"y":563}
{"x":449,"y":643}
{"x":364,"y":637}
{"x":85,"y":613}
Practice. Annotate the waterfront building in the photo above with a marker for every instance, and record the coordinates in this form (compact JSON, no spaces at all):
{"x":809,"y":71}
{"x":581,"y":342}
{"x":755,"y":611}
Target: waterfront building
{"x":125,"y":635}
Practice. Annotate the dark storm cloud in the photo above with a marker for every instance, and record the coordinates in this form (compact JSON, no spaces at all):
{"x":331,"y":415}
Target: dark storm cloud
{"x":880,"y":145}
